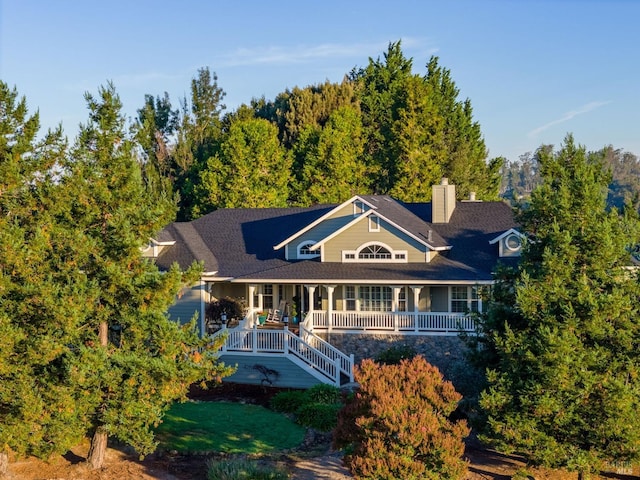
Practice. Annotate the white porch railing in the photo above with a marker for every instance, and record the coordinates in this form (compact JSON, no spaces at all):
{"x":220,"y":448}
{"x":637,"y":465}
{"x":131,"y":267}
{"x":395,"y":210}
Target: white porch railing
{"x":316,"y":354}
{"x":406,"y":323}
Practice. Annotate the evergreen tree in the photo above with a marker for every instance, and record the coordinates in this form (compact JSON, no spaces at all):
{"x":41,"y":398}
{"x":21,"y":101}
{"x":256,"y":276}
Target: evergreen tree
{"x":564,"y":389}
{"x":418,"y":132}
{"x":334,"y":169}
{"x":136,"y":361}
{"x":381,"y":87}
{"x":198,"y":139}
{"x":251,"y":170}
{"x":463,"y":148}
{"x":42,"y":296}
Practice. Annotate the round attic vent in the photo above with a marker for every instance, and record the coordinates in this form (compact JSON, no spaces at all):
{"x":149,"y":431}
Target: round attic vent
{"x":513,"y":242}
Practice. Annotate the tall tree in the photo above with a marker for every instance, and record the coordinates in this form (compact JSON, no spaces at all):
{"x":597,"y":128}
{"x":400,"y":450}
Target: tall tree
{"x":334,"y":168}
{"x":139,"y":360}
{"x":381,"y":85}
{"x":155,"y":125}
{"x":251,"y":170}
{"x":565,"y":387}
{"x":418,"y":131}
{"x":42,"y":297}
{"x":461,"y":140}
{"x":199,"y":136}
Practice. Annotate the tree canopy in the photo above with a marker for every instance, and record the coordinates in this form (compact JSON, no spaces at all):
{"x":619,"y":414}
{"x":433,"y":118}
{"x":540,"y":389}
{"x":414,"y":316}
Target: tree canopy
{"x":87,"y":346}
{"x":563,"y":387}
{"x":383,"y":129}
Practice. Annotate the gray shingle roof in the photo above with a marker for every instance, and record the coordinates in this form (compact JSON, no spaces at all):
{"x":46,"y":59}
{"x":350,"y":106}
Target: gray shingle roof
{"x":238,"y":243}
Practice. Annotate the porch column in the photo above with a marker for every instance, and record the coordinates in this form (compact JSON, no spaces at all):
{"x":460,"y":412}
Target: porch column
{"x":330,"y":289}
{"x":252,"y":291}
{"x":203,"y":302}
{"x":394,"y":306}
{"x":311,"y":290}
{"x":416,"y":304}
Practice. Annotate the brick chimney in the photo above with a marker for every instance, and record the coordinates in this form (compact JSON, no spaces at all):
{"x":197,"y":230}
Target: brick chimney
{"x":443,"y":201}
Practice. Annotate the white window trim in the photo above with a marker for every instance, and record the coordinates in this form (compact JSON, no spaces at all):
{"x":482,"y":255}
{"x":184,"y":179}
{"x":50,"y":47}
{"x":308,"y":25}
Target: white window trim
{"x":302,"y":256}
{"x":374,"y":223}
{"x":393,"y":252}
{"x":358,"y":208}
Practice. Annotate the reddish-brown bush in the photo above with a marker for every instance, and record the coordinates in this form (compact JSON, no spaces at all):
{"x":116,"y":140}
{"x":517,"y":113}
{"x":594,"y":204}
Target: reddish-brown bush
{"x":397,"y":424}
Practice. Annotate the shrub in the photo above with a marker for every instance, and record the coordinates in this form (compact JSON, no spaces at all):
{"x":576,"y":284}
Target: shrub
{"x":289,"y":401}
{"x":394,"y":355}
{"x":319,"y":416}
{"x":323,"y":393}
{"x":243,"y":469}
{"x":397,"y":424}
{"x":232,"y":308}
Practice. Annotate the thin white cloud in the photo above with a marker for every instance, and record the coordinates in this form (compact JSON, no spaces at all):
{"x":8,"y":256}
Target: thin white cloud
{"x":287,"y":55}
{"x":566,"y":117}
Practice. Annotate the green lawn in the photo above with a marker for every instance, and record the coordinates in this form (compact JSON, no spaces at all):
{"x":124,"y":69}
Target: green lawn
{"x":227,"y":427}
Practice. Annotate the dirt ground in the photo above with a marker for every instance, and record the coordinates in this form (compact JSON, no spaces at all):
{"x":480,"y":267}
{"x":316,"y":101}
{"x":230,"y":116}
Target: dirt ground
{"x":314,"y":460}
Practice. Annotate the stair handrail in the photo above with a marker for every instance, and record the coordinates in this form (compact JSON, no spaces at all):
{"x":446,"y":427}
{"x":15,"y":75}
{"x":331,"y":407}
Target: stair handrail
{"x":346,"y":362}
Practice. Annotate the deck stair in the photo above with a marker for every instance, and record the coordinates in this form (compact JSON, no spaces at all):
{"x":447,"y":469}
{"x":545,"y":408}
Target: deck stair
{"x":310,"y":352}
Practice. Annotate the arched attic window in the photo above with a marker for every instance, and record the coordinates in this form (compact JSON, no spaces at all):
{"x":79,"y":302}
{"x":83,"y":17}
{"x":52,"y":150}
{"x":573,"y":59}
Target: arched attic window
{"x":374,"y":252}
{"x":304,"y":249}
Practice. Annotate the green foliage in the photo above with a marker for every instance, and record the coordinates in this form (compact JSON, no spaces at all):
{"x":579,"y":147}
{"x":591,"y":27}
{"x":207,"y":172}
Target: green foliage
{"x":288,"y":401}
{"x":319,"y":416}
{"x":564,"y":336}
{"x":397,"y":425}
{"x":228,"y":428}
{"x":251,"y":170}
{"x":316,"y":407}
{"x":395,"y":354}
{"x":243,"y":469}
{"x":43,"y":295}
{"x":323,"y":393}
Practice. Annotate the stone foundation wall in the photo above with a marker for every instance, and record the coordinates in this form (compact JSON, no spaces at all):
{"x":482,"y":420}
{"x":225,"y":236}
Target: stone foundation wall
{"x":446,"y":353}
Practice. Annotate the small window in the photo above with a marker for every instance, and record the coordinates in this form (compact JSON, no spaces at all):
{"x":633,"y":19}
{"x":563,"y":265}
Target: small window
{"x":374,"y":252}
{"x":374,"y":223}
{"x":358,"y":208}
{"x":400,"y":256}
{"x":350,"y":297}
{"x":304,"y":250}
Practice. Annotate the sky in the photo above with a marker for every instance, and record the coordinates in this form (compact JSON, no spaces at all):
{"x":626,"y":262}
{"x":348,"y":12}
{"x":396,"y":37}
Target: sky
{"x":534,"y":70}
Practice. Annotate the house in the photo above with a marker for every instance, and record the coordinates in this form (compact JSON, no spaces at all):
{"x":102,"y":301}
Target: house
{"x":370,"y":266}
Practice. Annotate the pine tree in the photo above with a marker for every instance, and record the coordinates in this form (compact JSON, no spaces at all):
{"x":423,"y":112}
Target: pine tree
{"x":565,"y":386}
{"x":42,"y":298}
{"x":136,"y":361}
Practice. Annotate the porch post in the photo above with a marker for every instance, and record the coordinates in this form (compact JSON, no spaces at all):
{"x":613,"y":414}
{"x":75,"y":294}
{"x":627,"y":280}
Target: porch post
{"x":330,"y":289}
{"x":252,"y":291}
{"x":394,"y":307}
{"x":416,"y":305}
{"x":203,"y":302}
{"x":311,"y":289}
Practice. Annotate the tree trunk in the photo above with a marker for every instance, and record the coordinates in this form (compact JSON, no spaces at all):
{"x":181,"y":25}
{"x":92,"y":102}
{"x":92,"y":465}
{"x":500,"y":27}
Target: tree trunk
{"x":103,"y":334}
{"x":4,"y":463}
{"x":98,"y":449}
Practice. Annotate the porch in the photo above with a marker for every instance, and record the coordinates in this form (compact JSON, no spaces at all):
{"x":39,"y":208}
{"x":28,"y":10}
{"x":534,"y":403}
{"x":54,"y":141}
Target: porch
{"x":403,"y":323}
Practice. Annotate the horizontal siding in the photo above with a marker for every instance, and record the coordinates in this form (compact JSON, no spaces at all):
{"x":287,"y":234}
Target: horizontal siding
{"x":359,"y":234}
{"x":289,"y":374}
{"x":187,"y":305}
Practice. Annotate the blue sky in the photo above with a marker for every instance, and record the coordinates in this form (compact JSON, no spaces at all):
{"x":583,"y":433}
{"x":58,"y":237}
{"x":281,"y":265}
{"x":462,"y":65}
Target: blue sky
{"x":533,"y":70}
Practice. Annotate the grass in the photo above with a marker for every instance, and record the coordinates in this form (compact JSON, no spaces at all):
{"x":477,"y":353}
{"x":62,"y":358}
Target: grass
{"x":227,"y":428}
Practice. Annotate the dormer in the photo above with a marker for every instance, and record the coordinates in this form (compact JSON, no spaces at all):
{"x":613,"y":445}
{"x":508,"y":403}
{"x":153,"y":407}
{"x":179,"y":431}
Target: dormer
{"x":154,"y":247}
{"x":509,"y":243}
